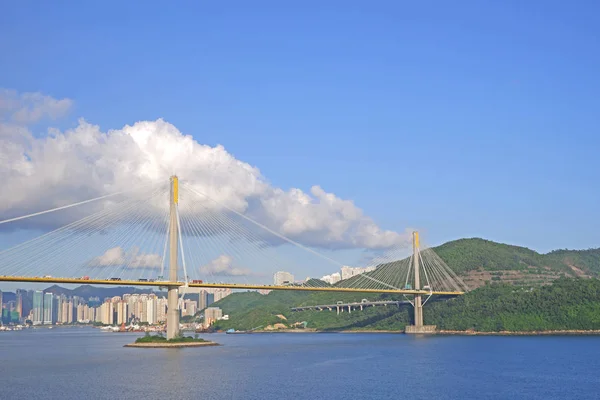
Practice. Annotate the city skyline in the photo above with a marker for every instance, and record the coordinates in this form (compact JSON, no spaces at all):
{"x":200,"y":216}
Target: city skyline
{"x":49,"y":308}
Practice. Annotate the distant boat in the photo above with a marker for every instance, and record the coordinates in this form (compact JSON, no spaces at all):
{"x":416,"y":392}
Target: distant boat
{"x":234,"y":332}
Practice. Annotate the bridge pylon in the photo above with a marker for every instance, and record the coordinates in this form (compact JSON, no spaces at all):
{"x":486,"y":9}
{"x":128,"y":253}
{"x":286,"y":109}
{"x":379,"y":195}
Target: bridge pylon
{"x":173,"y":291}
{"x":418,"y":326}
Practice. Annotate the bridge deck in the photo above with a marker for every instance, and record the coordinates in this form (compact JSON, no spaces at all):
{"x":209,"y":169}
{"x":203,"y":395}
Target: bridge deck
{"x":81,"y":281}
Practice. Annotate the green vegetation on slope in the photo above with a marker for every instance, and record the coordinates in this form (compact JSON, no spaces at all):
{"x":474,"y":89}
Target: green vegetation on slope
{"x":586,"y":260}
{"x":514,"y":298}
{"x":251,"y":310}
{"x":480,"y":262}
{"x":570,"y":303}
{"x":468,"y":254}
{"x":566,"y":304}
{"x":465,"y":255}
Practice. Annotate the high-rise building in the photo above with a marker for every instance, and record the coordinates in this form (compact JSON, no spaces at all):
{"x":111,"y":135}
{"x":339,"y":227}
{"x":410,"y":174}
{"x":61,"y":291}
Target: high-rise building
{"x":212,"y":314}
{"x":151,"y":310}
{"x":90,"y":314}
{"x":221,"y":293}
{"x":38,"y":307}
{"x":210,"y":298}
{"x":121,"y":311}
{"x":161,"y":309}
{"x":349,"y":272}
{"x":48,"y":308}
{"x":19,"y":300}
{"x":59,"y":305}
{"x":107,"y":313}
{"x":189,"y":308}
{"x":70,"y":316}
{"x":282,"y":278}
{"x":81,"y":313}
{"x":64,"y":311}
{"x":0,"y":302}
{"x":333,"y":278}
{"x":202,"y":300}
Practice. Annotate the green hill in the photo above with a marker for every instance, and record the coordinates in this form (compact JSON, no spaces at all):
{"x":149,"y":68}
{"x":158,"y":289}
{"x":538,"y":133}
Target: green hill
{"x":514,"y":294}
{"x":481,"y":261}
{"x":567,"y":304}
{"x":478,"y":261}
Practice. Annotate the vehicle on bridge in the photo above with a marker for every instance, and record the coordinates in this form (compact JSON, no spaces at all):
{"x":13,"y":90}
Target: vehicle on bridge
{"x":197,"y":281}
{"x":85,"y":278}
{"x":142,"y":280}
{"x":115,"y":279}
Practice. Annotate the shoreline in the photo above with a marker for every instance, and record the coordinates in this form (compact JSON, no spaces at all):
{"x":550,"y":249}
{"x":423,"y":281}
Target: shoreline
{"x":568,"y":332}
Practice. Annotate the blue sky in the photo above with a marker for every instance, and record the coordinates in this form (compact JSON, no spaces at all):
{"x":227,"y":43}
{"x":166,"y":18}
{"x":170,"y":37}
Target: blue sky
{"x":459,"y":118}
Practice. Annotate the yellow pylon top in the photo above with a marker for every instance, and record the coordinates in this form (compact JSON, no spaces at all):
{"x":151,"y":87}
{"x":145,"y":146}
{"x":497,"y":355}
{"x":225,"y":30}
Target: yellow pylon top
{"x":175,"y":182}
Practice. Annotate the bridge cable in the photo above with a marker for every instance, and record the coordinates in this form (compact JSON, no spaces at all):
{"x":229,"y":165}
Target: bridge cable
{"x":68,"y":206}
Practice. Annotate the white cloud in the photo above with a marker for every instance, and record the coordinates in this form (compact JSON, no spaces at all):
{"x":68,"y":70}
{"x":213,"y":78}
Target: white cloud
{"x":223,"y":266}
{"x":114,"y":256}
{"x":117,"y":257}
{"x":84,"y":162}
{"x":28,"y":108}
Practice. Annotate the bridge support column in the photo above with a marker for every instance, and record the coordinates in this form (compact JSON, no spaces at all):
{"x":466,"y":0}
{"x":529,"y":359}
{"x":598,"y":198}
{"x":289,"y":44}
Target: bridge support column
{"x":418,"y":326}
{"x":173,"y":293}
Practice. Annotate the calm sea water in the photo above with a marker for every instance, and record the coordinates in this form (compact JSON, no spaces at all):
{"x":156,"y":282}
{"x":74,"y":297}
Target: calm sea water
{"x":85,"y":363}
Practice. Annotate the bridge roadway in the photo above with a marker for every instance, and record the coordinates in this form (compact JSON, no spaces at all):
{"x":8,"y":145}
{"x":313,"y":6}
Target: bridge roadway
{"x":80,"y":281}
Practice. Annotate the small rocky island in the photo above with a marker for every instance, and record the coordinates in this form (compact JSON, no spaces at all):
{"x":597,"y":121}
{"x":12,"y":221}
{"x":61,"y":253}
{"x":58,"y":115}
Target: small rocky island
{"x":159,"y":341}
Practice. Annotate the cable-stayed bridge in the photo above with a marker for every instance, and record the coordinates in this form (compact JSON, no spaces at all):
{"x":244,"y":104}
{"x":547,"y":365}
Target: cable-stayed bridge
{"x":176,"y":237}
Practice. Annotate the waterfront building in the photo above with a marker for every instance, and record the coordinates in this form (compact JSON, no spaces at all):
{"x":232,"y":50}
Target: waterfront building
{"x":38,"y":307}
{"x":161,"y":310}
{"x":212,"y":314}
{"x":70,"y":312}
{"x":19,"y":300}
{"x":80,"y":313}
{"x":189,"y":308}
{"x":48,"y":308}
{"x":107,"y":313}
{"x":64,"y":310}
{"x":59,"y":305}
{"x":151,"y":310}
